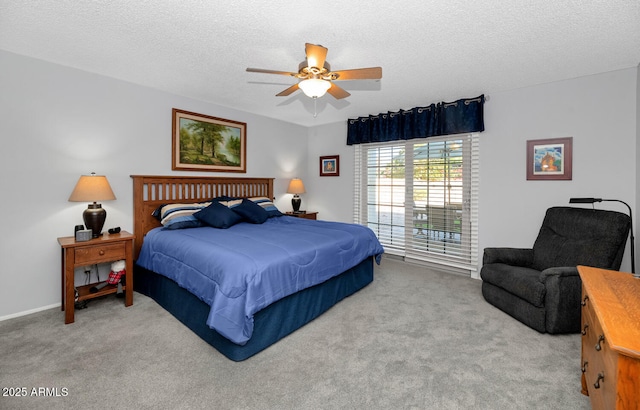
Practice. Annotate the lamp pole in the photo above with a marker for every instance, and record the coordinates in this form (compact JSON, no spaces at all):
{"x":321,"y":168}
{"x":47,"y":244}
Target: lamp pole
{"x":633,"y":246}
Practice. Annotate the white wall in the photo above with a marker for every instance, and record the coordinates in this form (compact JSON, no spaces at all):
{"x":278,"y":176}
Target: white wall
{"x":600,"y":112}
{"x":637,"y":173}
{"x":58,"y":123}
{"x":331,"y":196}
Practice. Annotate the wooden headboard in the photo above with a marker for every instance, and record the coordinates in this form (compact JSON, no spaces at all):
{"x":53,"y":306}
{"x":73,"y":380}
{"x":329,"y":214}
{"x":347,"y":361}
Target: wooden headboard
{"x":151,"y":191}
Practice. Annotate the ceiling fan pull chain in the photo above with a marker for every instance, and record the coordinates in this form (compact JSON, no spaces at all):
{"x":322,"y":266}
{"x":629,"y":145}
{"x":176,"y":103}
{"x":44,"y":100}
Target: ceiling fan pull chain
{"x":315,"y":107}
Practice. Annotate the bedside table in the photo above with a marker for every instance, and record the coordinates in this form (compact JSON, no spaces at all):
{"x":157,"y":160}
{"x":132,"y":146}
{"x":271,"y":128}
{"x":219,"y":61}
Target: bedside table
{"x":106,"y":248}
{"x":305,"y":215}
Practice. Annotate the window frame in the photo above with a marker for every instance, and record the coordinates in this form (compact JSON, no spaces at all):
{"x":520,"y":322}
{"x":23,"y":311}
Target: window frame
{"x":410,"y":249}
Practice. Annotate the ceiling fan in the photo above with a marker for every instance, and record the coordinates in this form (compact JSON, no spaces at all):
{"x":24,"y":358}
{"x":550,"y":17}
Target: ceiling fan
{"x":316,"y":75}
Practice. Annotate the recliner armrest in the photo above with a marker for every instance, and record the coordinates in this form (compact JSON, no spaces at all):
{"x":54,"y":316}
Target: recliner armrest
{"x":560,"y":271}
{"x":510,"y":256}
{"x":562,"y":299}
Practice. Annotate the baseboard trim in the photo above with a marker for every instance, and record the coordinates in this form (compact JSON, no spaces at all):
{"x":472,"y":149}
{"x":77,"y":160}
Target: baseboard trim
{"x":28,"y":312}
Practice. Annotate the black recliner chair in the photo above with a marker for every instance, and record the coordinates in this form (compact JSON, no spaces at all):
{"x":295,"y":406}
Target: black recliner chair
{"x":540,"y":286}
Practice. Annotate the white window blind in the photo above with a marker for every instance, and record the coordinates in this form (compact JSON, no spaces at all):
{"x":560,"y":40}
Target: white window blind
{"x":420,"y":198}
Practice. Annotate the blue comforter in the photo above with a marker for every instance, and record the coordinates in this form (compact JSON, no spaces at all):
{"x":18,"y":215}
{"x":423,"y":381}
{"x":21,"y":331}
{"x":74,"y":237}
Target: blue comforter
{"x":241,"y":270}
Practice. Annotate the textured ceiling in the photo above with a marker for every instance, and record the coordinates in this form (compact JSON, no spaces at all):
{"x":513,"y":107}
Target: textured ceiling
{"x":429,"y":50}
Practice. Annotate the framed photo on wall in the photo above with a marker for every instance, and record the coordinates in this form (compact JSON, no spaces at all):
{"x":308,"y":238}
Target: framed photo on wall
{"x":204,"y":143}
{"x":550,"y":159}
{"x":330,"y":166}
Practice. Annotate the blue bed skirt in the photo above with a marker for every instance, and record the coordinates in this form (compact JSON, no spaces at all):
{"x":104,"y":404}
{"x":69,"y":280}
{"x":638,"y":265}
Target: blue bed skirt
{"x":270,"y":324}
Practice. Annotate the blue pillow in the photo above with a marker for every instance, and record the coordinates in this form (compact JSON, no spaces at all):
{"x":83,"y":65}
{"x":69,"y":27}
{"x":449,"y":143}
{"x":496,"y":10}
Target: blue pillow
{"x":180,"y":215}
{"x":251,"y":211}
{"x":157,"y":213}
{"x":218,"y":216}
{"x":267,"y":205}
{"x":183,"y":222}
{"x":223,"y":198}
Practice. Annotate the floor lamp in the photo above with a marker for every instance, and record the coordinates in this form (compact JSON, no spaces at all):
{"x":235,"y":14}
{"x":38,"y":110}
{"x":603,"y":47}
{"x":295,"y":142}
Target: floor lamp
{"x":594,"y":200}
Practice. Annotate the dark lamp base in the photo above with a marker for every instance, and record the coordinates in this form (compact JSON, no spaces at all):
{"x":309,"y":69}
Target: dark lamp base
{"x":94,"y":217}
{"x":295,"y":203}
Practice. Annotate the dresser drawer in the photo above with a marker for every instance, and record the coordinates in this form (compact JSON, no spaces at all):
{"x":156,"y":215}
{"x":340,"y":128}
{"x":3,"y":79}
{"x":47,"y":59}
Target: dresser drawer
{"x":595,"y":356}
{"x":86,"y":255}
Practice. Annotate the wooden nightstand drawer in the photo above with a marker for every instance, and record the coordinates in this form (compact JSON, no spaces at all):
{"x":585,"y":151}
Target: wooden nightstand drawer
{"x":305,"y":215}
{"x":88,"y":255}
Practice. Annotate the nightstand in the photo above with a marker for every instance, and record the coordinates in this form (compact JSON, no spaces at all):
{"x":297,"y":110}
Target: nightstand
{"x":106,"y":248}
{"x":305,"y":215}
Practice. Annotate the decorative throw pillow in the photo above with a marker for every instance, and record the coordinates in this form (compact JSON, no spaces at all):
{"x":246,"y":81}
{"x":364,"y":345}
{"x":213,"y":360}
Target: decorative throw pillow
{"x":218,"y":216}
{"x":267,"y":205}
{"x":250,"y":211}
{"x":180,"y":216}
{"x":223,"y":198}
{"x":182,"y":222}
{"x":231,"y":203}
{"x":158,"y":212}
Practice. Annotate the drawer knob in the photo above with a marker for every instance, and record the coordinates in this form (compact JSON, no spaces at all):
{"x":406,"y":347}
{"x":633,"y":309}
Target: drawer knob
{"x":584,"y":329}
{"x":599,"y":344}
{"x":584,"y":301}
{"x":597,"y":383}
{"x":584,"y":367}
{"x":101,"y":252}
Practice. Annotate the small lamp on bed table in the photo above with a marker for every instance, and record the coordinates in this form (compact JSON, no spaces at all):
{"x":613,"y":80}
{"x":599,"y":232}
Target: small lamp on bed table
{"x":93,"y":188}
{"x":296,"y":187}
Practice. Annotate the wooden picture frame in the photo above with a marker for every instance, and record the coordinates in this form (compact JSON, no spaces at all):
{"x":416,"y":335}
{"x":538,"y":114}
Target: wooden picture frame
{"x":550,"y":159}
{"x":204,"y":143}
{"x":330,"y":166}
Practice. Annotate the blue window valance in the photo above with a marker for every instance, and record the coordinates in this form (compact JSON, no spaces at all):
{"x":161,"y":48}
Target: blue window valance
{"x":458,"y":117}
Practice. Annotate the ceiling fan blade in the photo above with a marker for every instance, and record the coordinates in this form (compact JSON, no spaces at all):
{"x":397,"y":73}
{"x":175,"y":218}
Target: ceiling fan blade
{"x":337,"y":92}
{"x":261,"y":70}
{"x":371,"y":73}
{"x":316,"y":55}
{"x":288,"y":91}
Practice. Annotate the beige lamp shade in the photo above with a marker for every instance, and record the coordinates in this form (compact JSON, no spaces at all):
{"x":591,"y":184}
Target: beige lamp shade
{"x":296,"y":186}
{"x":92,"y":188}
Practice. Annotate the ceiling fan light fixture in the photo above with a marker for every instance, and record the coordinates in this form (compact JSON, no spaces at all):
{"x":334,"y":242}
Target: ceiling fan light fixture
{"x":316,"y":78}
{"x":314,"y":87}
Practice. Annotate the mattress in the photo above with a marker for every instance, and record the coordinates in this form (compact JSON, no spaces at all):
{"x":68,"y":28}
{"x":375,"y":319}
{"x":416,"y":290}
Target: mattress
{"x":243,"y":269}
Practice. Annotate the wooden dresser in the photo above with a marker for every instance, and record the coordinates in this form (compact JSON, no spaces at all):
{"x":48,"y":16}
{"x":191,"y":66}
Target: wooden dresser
{"x":610,"y":338}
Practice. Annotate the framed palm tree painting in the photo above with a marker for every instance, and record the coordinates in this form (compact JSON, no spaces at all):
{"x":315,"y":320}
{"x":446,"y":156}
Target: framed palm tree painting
{"x":204,"y":143}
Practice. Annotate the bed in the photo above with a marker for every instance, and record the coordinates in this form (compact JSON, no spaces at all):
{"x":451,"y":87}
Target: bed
{"x":277,"y":299}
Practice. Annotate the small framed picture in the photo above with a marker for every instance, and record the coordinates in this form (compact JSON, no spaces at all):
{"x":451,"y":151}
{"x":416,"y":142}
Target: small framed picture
{"x":330,"y":166}
{"x":550,"y":159}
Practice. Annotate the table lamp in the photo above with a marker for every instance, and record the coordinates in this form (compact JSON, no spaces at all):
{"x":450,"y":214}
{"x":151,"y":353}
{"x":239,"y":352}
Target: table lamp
{"x":296,"y":187}
{"x":93,"y":188}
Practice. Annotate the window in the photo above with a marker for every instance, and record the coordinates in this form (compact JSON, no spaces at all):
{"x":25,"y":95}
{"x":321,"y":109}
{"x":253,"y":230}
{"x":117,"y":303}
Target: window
{"x":420,"y":198}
